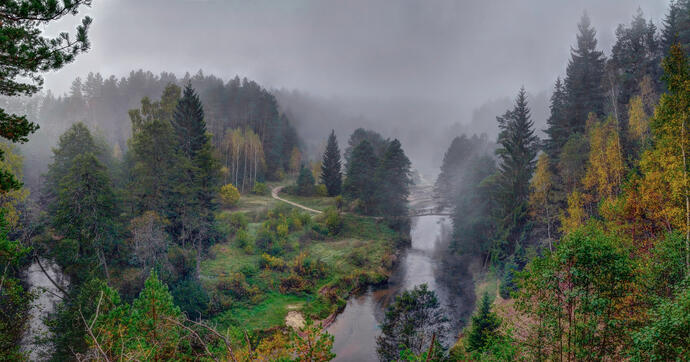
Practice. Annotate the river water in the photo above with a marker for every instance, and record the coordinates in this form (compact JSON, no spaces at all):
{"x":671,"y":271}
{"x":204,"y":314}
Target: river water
{"x":356,"y":328}
{"x":43,"y":305}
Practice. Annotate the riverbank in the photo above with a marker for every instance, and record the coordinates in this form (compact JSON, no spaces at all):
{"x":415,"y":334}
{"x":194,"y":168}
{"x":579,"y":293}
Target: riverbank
{"x":312,"y":276}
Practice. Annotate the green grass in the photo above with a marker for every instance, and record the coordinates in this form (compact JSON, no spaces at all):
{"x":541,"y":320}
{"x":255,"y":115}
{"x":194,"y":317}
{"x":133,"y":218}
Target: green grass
{"x":320,"y":203}
{"x":228,"y":259}
{"x":269,"y":313}
{"x":364,"y":246}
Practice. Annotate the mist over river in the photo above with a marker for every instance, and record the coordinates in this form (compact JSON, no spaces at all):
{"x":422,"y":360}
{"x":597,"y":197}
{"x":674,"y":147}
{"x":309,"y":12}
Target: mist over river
{"x":425,"y":261}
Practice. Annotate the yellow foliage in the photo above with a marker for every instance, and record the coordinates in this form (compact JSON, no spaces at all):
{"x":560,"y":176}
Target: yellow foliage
{"x":638,"y":121}
{"x":575,"y":215}
{"x":605,"y":167}
{"x":540,"y":199}
{"x":295,"y":160}
{"x":12,"y":163}
{"x":229,"y":195}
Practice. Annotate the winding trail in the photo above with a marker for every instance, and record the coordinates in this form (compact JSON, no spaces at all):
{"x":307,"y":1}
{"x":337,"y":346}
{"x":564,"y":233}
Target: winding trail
{"x":274,"y":194}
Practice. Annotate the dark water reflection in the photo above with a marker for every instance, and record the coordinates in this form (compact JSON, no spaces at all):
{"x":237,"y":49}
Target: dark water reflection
{"x":426,"y":261}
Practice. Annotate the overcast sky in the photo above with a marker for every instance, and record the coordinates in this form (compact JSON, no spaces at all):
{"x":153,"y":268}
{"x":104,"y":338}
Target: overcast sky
{"x":464,"y":52}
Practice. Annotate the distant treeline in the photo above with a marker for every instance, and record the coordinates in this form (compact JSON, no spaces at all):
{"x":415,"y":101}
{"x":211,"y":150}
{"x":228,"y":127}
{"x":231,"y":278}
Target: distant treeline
{"x":103,"y":104}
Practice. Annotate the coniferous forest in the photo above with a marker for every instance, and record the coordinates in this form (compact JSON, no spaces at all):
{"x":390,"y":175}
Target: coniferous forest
{"x":169,"y":216}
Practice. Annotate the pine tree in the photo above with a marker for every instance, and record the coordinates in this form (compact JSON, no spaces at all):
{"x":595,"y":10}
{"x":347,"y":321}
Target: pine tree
{"x":305,"y":182}
{"x":77,"y":140}
{"x":461,"y":152}
{"x":584,"y":82}
{"x":198,"y":172}
{"x":330,"y":167}
{"x":410,"y":323}
{"x":27,"y":53}
{"x":188,"y":122}
{"x":636,"y":54}
{"x":393,"y":178}
{"x":676,"y":26}
{"x":558,"y":128}
{"x":361,"y":172}
{"x":517,"y":154}
{"x":484,"y":327}
{"x":154,"y":154}
{"x":84,"y":215}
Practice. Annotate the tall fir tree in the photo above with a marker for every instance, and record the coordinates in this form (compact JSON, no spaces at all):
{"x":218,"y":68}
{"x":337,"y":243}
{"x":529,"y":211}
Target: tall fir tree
{"x":558,"y":128}
{"x":484,"y":327}
{"x":676,"y":26}
{"x":331,"y":176}
{"x":393,"y":180}
{"x":188,"y":122}
{"x":84,"y":215}
{"x":518,"y":146}
{"x":198,"y":175}
{"x":154,"y":155}
{"x":585,"y":76}
{"x":360,"y":182}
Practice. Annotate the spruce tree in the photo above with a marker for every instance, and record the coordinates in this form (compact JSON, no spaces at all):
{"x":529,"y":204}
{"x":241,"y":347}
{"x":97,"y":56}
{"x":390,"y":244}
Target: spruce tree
{"x":198,"y":172}
{"x":393,"y":180}
{"x":84,"y":215}
{"x":188,"y":122}
{"x":360,"y":182}
{"x":331,"y":175}
{"x":558,"y":128}
{"x":154,"y":154}
{"x":484,"y":327}
{"x":305,"y":182}
{"x":676,"y":26}
{"x":584,"y":82}
{"x":518,"y":146}
{"x":27,"y":53}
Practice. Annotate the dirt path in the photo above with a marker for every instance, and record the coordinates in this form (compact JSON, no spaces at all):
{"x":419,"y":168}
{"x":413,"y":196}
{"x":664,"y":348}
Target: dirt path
{"x":276,"y":191}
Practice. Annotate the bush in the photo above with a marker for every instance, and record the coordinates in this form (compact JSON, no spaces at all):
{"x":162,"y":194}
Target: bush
{"x":260,"y":188}
{"x":236,"y":285}
{"x":229,"y":224}
{"x":293,"y":283}
{"x":318,"y":231}
{"x":229,"y":195}
{"x":272,"y":262}
{"x":357,"y":258}
{"x":334,"y":222}
{"x":305,"y":182}
{"x":191,"y":297}
{"x":244,"y":241}
{"x":321,"y":190}
{"x":307,"y":267}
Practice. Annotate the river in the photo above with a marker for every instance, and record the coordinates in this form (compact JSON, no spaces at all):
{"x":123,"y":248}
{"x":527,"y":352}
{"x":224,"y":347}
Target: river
{"x":356,"y":328}
{"x":47,"y":298}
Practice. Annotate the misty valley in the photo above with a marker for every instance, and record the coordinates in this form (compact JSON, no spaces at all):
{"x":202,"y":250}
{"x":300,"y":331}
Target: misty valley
{"x":372,"y":191}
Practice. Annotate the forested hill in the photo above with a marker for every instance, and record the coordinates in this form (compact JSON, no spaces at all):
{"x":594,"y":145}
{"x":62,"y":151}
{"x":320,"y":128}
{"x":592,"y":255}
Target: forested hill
{"x":103,"y":104}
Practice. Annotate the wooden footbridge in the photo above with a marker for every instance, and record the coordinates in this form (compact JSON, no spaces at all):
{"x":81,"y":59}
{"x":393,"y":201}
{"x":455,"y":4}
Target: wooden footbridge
{"x":429,"y":211}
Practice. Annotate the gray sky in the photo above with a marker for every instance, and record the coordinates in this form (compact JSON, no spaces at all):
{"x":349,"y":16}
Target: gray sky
{"x":460,"y":52}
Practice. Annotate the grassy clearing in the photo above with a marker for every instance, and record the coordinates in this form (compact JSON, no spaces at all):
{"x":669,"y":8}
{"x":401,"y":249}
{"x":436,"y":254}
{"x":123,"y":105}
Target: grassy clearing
{"x":361,"y":254}
{"x":268,"y":314}
{"x":228,"y":259}
{"x":320,"y":203}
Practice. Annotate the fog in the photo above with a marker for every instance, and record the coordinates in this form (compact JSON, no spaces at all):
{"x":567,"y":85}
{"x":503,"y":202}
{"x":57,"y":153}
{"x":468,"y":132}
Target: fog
{"x":401,"y":67}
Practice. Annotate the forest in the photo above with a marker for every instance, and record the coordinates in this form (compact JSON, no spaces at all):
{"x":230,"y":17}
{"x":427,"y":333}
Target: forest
{"x":163,"y":217}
